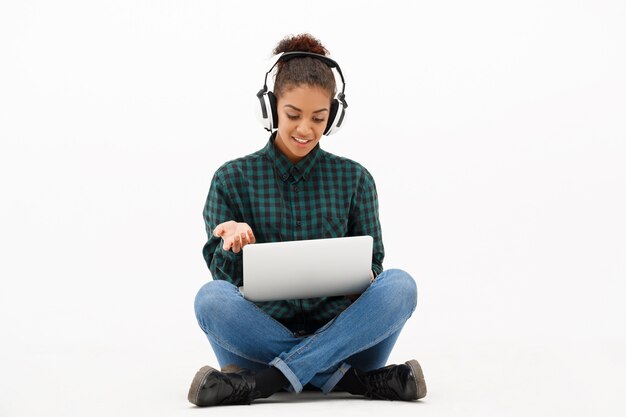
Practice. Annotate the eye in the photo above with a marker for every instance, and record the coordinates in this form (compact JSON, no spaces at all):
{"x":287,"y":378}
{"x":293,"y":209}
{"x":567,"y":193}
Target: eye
{"x":292,"y":117}
{"x":319,"y":120}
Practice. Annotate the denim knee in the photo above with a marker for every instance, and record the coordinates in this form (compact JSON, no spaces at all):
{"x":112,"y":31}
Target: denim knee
{"x":211,"y":301}
{"x":401,"y":286}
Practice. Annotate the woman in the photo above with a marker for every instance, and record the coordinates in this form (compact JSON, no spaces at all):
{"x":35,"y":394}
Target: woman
{"x":293,"y":190}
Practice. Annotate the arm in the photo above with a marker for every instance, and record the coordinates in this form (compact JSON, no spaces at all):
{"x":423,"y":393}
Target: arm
{"x":364,"y":219}
{"x":223,"y":264}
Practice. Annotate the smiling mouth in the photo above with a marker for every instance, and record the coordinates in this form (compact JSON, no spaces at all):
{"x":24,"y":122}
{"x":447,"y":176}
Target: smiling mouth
{"x":301,"y":141}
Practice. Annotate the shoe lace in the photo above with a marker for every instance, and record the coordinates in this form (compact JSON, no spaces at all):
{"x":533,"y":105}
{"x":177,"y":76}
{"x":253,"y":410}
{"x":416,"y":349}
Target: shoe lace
{"x":377,"y":385}
{"x":241,"y":394}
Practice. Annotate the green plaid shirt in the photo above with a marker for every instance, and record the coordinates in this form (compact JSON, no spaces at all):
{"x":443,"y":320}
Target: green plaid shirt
{"x":322,"y":196}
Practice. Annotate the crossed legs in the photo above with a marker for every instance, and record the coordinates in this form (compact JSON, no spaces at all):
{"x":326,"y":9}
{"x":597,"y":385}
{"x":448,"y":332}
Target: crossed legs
{"x":362,"y":336}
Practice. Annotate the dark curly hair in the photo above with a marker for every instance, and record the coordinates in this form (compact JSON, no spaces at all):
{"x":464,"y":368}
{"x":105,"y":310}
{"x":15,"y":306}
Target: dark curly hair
{"x":303,"y":70}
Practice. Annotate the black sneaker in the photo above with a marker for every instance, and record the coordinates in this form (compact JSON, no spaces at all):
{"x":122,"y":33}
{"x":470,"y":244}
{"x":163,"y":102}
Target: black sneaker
{"x":395,"y":382}
{"x":212,"y":387}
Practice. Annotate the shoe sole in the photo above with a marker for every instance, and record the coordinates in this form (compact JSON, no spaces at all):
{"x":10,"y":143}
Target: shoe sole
{"x":197,"y":382}
{"x":419,"y":378}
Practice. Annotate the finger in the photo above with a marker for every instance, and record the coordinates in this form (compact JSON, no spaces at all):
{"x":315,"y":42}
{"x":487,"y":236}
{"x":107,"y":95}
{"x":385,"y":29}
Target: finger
{"x":224,"y":228}
{"x":251,"y":237}
{"x":237,"y":244}
{"x":244,"y":239}
{"x":228,"y":244}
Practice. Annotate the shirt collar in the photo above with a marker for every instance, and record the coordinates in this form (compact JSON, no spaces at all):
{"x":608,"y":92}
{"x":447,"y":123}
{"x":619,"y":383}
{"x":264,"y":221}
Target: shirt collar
{"x":285,"y":167}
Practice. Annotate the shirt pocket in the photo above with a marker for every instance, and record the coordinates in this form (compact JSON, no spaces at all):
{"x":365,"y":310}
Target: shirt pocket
{"x":335,"y":226}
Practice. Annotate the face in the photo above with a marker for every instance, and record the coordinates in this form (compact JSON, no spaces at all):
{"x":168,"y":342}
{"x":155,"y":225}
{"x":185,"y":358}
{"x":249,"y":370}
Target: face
{"x":302,"y":117}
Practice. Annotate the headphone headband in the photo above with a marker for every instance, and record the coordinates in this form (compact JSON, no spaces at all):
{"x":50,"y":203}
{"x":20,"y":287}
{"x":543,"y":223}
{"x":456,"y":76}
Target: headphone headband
{"x":286,"y":56}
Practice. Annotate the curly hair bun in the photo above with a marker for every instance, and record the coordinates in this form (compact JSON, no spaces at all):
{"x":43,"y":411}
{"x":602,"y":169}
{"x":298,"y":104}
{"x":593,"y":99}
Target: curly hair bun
{"x":302,"y":70}
{"x":304,"y":42}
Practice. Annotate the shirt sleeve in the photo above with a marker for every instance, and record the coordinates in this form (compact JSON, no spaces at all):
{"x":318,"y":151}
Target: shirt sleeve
{"x":364,"y":220}
{"x":224,"y":265}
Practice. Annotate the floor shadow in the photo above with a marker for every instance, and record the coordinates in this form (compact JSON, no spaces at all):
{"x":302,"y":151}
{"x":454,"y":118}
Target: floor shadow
{"x":307,"y":397}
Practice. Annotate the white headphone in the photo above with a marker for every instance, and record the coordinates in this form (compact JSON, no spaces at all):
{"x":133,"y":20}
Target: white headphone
{"x":268,"y":114}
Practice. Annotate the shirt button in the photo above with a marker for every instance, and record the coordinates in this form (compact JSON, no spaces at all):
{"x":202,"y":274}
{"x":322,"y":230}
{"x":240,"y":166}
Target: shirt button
{"x":296,"y":188}
{"x":298,"y":223}
{"x":285,"y":177}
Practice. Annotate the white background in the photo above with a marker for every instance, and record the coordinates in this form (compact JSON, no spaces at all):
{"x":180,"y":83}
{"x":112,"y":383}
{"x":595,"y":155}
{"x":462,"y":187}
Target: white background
{"x":495,"y":132}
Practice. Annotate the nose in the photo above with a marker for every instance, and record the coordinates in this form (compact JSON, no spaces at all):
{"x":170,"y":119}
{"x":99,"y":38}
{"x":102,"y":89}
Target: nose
{"x":304,"y":128}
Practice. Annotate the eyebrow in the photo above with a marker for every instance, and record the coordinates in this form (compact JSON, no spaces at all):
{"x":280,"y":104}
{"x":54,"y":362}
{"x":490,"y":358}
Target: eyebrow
{"x":295,"y":108}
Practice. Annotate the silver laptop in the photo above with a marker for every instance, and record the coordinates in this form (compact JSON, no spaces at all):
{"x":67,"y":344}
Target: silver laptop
{"x":306,"y":268}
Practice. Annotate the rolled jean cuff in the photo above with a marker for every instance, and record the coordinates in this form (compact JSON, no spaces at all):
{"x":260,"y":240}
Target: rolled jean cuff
{"x":291,"y":377}
{"x":335,"y":378}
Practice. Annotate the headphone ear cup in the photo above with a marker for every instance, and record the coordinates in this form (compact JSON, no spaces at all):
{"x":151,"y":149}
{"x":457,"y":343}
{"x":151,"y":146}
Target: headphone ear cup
{"x":266,"y":111}
{"x":336,"y":117}
{"x":273,"y":112}
{"x":262,"y":110}
{"x":332,"y":114}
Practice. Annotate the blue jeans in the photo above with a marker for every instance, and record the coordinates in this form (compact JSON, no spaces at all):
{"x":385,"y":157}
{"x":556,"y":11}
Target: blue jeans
{"x":362,"y":336}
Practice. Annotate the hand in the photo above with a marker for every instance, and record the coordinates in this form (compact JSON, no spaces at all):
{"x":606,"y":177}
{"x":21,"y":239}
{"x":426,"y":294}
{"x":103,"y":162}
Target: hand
{"x":235,"y":235}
